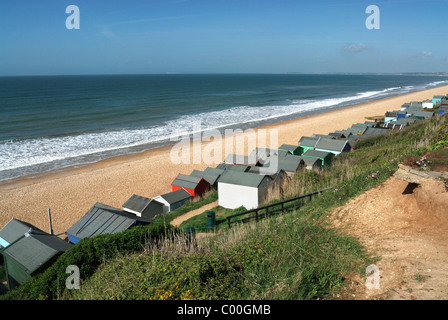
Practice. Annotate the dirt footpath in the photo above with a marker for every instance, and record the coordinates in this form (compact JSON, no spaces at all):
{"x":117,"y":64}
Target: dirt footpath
{"x":177,"y":221}
{"x":407,"y":227}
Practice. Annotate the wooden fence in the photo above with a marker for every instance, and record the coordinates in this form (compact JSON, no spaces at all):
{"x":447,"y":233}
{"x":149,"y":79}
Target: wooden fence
{"x":273,"y":208}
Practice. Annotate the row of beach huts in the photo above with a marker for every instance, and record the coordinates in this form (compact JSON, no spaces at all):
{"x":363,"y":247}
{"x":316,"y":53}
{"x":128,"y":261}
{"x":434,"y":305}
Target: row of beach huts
{"x":26,"y":250}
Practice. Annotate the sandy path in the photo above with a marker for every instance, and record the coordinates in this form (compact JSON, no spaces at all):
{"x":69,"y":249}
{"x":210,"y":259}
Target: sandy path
{"x":177,"y":222}
{"x":410,"y":234}
{"x":72,"y":192}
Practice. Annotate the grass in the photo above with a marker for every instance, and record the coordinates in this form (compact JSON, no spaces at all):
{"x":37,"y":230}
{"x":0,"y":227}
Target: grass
{"x":291,"y":256}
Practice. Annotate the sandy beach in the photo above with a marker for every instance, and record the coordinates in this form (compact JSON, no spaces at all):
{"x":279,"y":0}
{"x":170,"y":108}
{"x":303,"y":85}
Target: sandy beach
{"x":71,"y":192}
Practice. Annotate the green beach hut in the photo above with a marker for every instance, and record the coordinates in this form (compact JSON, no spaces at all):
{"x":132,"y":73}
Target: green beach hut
{"x":306,"y":143}
{"x":326,"y":157}
{"x":292,"y":149}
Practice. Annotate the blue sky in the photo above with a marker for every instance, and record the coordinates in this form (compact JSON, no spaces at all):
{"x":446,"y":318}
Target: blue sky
{"x":222,"y":36}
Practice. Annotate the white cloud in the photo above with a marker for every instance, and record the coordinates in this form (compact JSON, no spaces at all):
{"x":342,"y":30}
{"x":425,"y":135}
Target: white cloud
{"x":356,"y":47}
{"x":425,"y":55}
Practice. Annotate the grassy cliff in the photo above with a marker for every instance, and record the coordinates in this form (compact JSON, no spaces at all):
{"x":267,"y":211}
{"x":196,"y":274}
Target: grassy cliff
{"x":292,"y":256}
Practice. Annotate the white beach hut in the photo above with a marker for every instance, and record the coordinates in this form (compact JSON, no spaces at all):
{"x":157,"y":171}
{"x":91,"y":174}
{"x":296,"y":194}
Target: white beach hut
{"x":236,"y":189}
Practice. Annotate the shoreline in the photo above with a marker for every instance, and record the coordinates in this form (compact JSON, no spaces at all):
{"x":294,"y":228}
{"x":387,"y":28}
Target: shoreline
{"x":70,"y":192}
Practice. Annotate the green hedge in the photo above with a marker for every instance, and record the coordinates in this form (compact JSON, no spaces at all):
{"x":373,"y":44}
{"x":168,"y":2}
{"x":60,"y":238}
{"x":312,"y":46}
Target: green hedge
{"x":87,"y":255}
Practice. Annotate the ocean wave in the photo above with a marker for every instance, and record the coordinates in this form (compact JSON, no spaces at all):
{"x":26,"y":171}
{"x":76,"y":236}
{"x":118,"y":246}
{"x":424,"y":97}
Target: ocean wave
{"x":437,"y":83}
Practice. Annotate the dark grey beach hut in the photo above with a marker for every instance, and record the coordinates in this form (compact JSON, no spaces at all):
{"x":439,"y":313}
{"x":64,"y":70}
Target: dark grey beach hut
{"x":143,"y":207}
{"x":174,"y":199}
{"x":103,"y":219}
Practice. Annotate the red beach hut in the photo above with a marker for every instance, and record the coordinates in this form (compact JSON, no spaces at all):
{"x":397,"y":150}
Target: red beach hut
{"x":196,"y":186}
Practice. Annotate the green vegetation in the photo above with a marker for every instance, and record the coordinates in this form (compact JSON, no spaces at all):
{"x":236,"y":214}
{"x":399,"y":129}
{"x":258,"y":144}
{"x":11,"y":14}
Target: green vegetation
{"x":421,"y":278}
{"x":289,"y":256}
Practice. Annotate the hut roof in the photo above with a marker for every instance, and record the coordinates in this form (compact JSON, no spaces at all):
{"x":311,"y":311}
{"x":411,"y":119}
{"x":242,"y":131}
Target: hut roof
{"x":233,"y":167}
{"x":138,"y":203}
{"x":331,"y":144}
{"x":290,"y":165}
{"x":101,"y":219}
{"x":311,"y":161}
{"x":308,"y":141}
{"x":288,"y":147}
{"x":34,"y":248}
{"x":242,"y":178}
{"x":14,"y":230}
{"x":240,"y":159}
{"x":424,"y":114}
{"x":176,"y":196}
{"x":187,"y":182}
{"x":316,"y":154}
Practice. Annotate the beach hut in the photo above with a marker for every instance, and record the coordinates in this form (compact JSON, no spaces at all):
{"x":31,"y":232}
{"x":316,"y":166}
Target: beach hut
{"x":436,"y":99}
{"x":443,"y":110}
{"x":325,"y":156}
{"x":234,"y":167}
{"x":390,"y":116}
{"x":401,"y":114}
{"x":427,"y":104}
{"x":332,"y":145}
{"x":338,"y":135}
{"x":103,"y":219}
{"x":211,"y":175}
{"x":174,"y":199}
{"x":444,"y":102}
{"x":30,"y":254}
{"x":14,"y":230}
{"x":420,"y":115}
{"x":236,"y":189}
{"x":371,"y":124}
{"x":290,"y":148}
{"x":416,"y":105}
{"x":196,"y":186}
{"x":357,"y":129}
{"x":290,"y":164}
{"x":405,"y":106}
{"x":241,"y":160}
{"x":327,"y":136}
{"x":312,"y":163}
{"x":307,"y":143}
{"x":143,"y":207}
{"x":373,"y":132}
{"x":263,"y":154}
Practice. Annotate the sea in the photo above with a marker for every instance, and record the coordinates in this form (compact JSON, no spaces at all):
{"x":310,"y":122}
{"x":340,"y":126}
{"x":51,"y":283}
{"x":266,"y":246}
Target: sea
{"x":48,"y":123}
